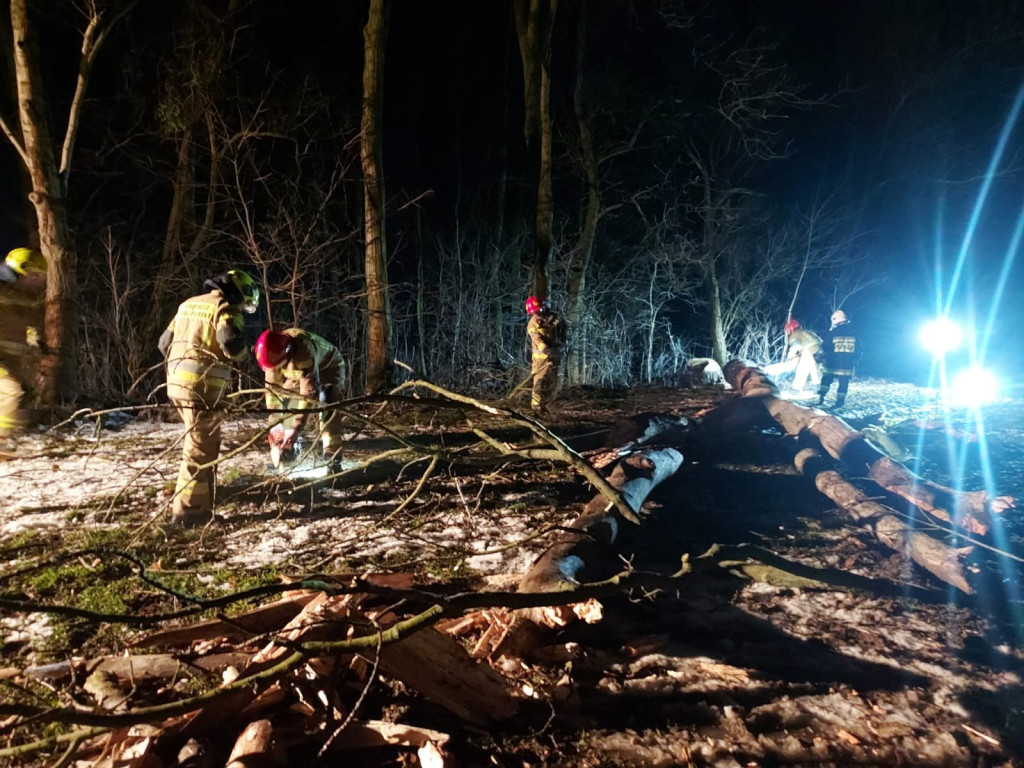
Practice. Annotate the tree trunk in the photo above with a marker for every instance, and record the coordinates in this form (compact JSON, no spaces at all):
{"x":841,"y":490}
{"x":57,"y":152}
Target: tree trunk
{"x":57,"y":368}
{"x":378,"y":305}
{"x":534,"y":24}
{"x":719,"y":351}
{"x":591,"y":217}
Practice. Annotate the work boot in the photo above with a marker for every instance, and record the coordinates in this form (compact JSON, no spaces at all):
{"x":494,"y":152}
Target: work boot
{"x":840,"y":401}
{"x":195,"y":518}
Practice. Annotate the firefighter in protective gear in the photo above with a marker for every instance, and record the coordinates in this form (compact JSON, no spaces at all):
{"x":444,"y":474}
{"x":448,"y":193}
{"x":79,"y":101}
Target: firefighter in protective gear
{"x":842,"y":353}
{"x":22,"y":311}
{"x":302,"y":371}
{"x":805,"y":347}
{"x":201,"y":345}
{"x":547,"y":338}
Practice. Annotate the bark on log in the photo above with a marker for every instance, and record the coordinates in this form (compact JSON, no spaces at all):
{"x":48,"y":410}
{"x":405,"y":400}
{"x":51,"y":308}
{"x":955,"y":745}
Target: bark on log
{"x":855,"y":452}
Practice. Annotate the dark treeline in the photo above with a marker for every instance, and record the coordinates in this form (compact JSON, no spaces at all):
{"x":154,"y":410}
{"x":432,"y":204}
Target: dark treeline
{"x":714,"y":168}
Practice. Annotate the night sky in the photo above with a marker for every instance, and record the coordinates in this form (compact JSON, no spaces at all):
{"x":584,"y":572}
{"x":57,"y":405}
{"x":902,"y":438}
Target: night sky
{"x":918,"y":96}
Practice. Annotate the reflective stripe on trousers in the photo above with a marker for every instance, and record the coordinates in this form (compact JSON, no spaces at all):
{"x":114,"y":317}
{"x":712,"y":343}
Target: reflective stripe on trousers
{"x":12,"y":417}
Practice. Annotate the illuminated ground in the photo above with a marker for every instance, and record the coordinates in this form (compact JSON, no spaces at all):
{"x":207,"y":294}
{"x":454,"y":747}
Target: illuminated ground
{"x":885,"y":670}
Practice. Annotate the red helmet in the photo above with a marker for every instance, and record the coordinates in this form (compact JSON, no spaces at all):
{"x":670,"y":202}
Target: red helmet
{"x":790,"y":326}
{"x":533,"y":305}
{"x":272,"y":348}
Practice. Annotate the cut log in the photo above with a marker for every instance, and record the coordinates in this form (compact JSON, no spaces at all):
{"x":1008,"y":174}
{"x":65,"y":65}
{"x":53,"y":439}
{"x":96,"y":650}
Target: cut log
{"x":942,"y":561}
{"x":587,"y":552}
{"x":856,"y":453}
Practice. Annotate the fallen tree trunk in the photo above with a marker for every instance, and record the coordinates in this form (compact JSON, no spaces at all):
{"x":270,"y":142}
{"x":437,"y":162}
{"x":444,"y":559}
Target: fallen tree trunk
{"x":942,"y":561}
{"x":855,"y":452}
{"x":586,"y":551}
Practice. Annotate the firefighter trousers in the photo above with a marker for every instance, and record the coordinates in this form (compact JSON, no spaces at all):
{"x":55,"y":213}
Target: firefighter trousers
{"x":194,"y":493}
{"x":806,"y":370}
{"x":545,"y":379}
{"x":13,"y":418}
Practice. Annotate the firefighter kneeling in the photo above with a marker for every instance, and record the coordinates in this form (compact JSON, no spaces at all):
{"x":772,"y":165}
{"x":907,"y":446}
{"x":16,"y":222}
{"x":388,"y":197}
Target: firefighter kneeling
{"x":302,"y":370}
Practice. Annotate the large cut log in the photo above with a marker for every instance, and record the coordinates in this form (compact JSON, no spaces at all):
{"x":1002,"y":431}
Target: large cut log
{"x":587,"y":551}
{"x":937,"y":558}
{"x":970,"y":510}
{"x":856,"y":453}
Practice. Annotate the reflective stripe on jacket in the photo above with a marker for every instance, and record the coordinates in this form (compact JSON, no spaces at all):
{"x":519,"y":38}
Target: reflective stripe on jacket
{"x":198,"y":367}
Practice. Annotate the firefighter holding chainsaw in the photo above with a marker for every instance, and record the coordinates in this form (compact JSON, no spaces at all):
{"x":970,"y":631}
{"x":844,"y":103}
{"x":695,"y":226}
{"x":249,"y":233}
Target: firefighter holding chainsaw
{"x":202,"y":345}
{"x":302,"y":372}
{"x":22,"y":309}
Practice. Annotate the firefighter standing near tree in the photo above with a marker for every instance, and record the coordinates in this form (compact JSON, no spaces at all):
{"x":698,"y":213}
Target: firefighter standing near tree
{"x":805,"y":346}
{"x":201,"y":345}
{"x":547,"y":337}
{"x":302,"y":371}
{"x":22,"y":311}
{"x":842,"y":353}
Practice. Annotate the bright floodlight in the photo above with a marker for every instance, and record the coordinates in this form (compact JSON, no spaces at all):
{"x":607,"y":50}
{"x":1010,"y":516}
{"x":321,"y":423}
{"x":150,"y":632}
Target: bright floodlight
{"x":973,"y":387}
{"x":941,"y":336}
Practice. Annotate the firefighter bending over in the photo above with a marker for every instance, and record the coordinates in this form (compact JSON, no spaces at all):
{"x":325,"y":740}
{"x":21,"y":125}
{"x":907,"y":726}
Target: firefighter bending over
{"x":22,"y":310}
{"x":206,"y":336}
{"x":547,"y":337}
{"x":302,"y":371}
{"x":805,"y":346}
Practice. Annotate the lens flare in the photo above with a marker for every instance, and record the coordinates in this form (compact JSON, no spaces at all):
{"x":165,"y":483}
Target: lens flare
{"x":941,"y":336}
{"x":974,"y":387}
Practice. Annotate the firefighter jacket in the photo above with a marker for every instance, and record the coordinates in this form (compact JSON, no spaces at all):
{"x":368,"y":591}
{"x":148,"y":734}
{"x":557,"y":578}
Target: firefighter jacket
{"x":313,"y":364}
{"x":22,"y":314}
{"x":803,"y":342}
{"x":842,"y":350}
{"x":547,"y":333}
{"x":203,"y":340}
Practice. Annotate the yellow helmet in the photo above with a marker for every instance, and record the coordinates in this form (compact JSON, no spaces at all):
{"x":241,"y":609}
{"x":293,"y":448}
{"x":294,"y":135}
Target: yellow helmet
{"x":250,"y":291}
{"x":22,"y":262}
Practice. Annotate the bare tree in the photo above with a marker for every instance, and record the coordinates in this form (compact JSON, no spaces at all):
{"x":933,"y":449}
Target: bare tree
{"x":741,"y":131}
{"x":49,"y":167}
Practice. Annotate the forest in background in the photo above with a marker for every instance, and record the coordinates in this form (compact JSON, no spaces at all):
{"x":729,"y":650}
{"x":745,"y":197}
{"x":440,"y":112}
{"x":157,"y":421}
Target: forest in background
{"x":706,"y":170}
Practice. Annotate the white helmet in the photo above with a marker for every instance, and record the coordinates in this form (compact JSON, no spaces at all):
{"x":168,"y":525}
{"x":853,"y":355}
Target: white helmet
{"x":838,"y":317}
